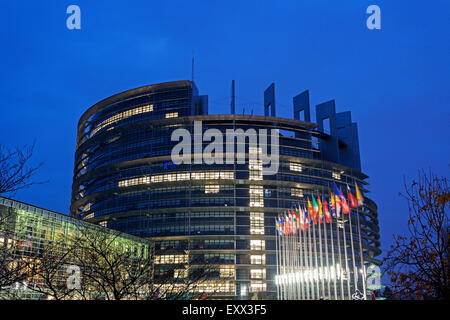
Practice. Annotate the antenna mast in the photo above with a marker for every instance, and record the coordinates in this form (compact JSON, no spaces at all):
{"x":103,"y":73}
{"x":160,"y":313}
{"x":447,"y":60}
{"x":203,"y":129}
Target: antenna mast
{"x":233,"y":98}
{"x":192,"y":74}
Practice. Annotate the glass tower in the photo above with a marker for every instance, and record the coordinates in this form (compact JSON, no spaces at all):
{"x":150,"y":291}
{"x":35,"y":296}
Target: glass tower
{"x":222,"y":215}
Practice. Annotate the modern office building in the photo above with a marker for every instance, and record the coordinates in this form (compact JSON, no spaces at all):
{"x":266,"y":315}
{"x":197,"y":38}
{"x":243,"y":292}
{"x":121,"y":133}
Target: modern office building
{"x":28,"y":233}
{"x":219,"y":214}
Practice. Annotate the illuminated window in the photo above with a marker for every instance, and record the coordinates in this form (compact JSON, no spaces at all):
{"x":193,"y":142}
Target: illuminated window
{"x":180,"y":273}
{"x":89,"y":216}
{"x":256,"y":223}
{"x":256,"y":286}
{"x":257,"y":245}
{"x":293,"y":166}
{"x":296,"y":192}
{"x":121,"y":116}
{"x":226,"y":272}
{"x":212,"y":188}
{"x":172,"y":177}
{"x":103,"y":223}
{"x":201,"y":287}
{"x":336,"y":176}
{"x":172,"y":115}
{"x":258,"y":274}
{"x":255,"y":165}
{"x":258,"y":259}
{"x":256,"y":196}
{"x":171,"y":259}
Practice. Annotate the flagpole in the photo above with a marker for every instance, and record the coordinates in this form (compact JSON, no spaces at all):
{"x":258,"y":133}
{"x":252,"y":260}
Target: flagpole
{"x":363,"y":267}
{"x":283,"y":248}
{"x":361,"y":254}
{"x":311,"y":262}
{"x":346,"y":256}
{"x":295,"y":243}
{"x":326,"y":247}
{"x":355,"y":270}
{"x":320,"y":273}
{"x":341,"y":265}
{"x":300,"y":242}
{"x":277,"y":256}
{"x":294,"y":286}
{"x":305,"y":257}
{"x":316,"y":264}
{"x":290,"y":258}
{"x":334,"y":257}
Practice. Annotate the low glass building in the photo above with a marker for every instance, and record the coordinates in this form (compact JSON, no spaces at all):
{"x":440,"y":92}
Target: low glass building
{"x":27,"y":233}
{"x":222,"y":215}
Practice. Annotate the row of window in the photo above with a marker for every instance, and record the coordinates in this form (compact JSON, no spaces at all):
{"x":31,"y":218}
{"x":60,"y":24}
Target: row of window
{"x":173,"y":177}
{"x":121,"y":116}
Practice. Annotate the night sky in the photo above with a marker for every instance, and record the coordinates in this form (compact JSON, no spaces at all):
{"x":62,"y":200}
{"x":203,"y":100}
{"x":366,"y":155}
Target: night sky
{"x":394,"y":80}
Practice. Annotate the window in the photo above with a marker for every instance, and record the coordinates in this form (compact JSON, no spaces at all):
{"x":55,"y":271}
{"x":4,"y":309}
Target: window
{"x":171,"y":259}
{"x":336,"y":175}
{"x":256,"y":222}
{"x":173,"y":177}
{"x":121,"y":116}
{"x":180,"y":273}
{"x":226,"y":272}
{"x":256,"y":196}
{"x":296,"y":192}
{"x":212,"y":188}
{"x":172,"y":115}
{"x":293,"y":166}
{"x":256,"y":286}
{"x":258,"y":259}
{"x":257,"y":273}
{"x":257,"y":244}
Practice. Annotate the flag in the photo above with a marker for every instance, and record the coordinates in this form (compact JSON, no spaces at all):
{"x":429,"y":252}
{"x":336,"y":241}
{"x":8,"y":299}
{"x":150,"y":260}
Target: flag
{"x":310,"y":211}
{"x":345,"y":207}
{"x":291,"y":224}
{"x":320,"y":210}
{"x":288,"y":223}
{"x":310,"y":208}
{"x":359,"y":196}
{"x":338,"y":199}
{"x":294,"y":221}
{"x":351,"y":198}
{"x":278,"y":226}
{"x":315,"y":210}
{"x":327,"y":213}
{"x":297,"y":214}
{"x":333,"y":204}
{"x":306,"y":217}
{"x":302,"y":218}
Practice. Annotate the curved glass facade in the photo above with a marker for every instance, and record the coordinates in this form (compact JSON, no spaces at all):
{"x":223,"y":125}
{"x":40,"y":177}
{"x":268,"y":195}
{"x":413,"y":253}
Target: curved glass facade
{"x":221,"y":214}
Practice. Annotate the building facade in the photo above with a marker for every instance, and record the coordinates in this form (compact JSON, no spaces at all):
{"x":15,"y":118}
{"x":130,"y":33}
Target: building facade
{"x":222,"y":215}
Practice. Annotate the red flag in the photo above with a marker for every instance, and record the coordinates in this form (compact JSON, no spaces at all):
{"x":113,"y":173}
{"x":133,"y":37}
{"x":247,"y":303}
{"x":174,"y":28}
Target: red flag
{"x":345,"y":207}
{"x":351,"y":198}
{"x":327,"y":213}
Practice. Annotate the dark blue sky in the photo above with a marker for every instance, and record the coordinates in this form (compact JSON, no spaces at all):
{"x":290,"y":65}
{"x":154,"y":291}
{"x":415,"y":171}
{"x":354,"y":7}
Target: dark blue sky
{"x":394,"y":80}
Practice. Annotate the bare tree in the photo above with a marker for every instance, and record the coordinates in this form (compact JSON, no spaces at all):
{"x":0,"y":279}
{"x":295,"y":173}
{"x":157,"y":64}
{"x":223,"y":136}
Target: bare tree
{"x":110,"y":269}
{"x":15,"y":169}
{"x":177,"y":281}
{"x":418,"y":264}
{"x":48,"y":271}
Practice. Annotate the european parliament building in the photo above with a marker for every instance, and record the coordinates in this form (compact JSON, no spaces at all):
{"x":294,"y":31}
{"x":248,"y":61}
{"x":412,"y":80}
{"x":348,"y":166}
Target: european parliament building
{"x":221,"y":215}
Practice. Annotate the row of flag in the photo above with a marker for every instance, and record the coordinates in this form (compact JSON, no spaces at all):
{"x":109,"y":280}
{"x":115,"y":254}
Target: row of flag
{"x":301,"y":217}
